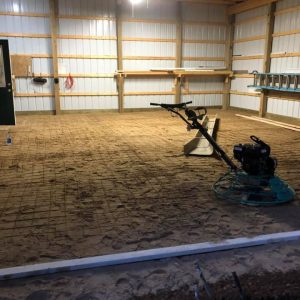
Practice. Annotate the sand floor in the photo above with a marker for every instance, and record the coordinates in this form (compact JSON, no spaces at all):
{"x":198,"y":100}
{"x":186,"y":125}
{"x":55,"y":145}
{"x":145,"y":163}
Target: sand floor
{"x":169,"y":279}
{"x":90,"y":184}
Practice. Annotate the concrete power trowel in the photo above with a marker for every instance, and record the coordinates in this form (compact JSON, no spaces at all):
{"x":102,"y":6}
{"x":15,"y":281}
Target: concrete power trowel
{"x":254,"y":182}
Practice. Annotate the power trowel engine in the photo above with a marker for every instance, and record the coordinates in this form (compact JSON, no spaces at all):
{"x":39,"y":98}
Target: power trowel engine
{"x":255,"y":158}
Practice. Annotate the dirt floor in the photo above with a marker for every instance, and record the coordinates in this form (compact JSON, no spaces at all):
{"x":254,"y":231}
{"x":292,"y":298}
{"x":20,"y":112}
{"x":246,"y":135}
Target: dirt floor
{"x":91,"y":184}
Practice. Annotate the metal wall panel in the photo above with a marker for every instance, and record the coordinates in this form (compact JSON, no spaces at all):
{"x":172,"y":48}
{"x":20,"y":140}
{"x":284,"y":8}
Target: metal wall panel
{"x":26,"y":85}
{"x":25,"y":6}
{"x":148,"y":85}
{"x":87,"y":27}
{"x":133,"y":48}
{"x":249,"y":48}
{"x":33,"y":103}
{"x":42,"y":65}
{"x":287,"y":43}
{"x":206,"y":83}
{"x":87,"y":47}
{"x":287,"y":4}
{"x":248,"y":65}
{"x":241,"y":84}
{"x":26,"y":25}
{"x":144,"y":101}
{"x":286,"y":65}
{"x":72,"y":65}
{"x":246,"y":30}
{"x":203,"y":50}
{"x":93,"y":85}
{"x":284,"y":107}
{"x":204,"y":100}
{"x":204,"y":32}
{"x":204,"y":12}
{"x":287,"y":21}
{"x":149,"y":30}
{"x":89,"y":102}
{"x":156,"y":9}
{"x":207,"y":64}
{"x":246,"y":102}
{"x":250,"y":14}
{"x":97,"y":8}
{"x":19,"y":45}
{"x":147,"y":64}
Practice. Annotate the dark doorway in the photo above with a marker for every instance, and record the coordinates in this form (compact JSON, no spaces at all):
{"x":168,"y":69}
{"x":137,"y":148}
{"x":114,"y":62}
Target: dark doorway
{"x":7,"y":112}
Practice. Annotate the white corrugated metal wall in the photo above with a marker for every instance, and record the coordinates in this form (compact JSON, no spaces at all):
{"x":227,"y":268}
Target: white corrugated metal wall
{"x":149,"y":42}
{"x":286,"y":42}
{"x":204,"y":39}
{"x":248,"y":51}
{"x":87,"y":30}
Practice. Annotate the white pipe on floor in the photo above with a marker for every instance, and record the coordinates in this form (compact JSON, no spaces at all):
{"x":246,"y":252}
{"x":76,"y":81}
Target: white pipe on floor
{"x":144,"y":255}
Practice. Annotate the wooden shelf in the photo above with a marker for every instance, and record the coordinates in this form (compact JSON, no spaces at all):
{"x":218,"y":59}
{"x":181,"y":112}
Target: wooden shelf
{"x":174,"y":73}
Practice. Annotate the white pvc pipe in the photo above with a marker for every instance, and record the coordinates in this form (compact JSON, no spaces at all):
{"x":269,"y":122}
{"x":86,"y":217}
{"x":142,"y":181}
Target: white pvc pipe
{"x":144,"y":255}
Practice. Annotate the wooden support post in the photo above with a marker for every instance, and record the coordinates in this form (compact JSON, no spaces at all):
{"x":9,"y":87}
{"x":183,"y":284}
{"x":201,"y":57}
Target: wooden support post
{"x":267,"y":55}
{"x":228,"y":61}
{"x":120,"y":78}
{"x":54,"y":32}
{"x":179,"y":30}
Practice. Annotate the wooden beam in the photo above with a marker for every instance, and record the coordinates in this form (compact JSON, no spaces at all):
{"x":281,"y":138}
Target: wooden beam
{"x":25,"y":35}
{"x":228,"y":61}
{"x":120,"y":77}
{"x":54,"y":31}
{"x":78,"y":56}
{"x":244,"y":93}
{"x":248,"y":5}
{"x":86,"y":37}
{"x":81,"y":17}
{"x":69,"y":94}
{"x":287,"y":10}
{"x":250,"y":20}
{"x":149,"y":58}
{"x":23,"y":14}
{"x":158,"y":21}
{"x":290,"y":54}
{"x":267,"y":55}
{"x":247,"y":57}
{"x":149,"y":93}
{"x":213,"y":92}
{"x":139,"y":39}
{"x":203,"y":41}
{"x":202,"y":23}
{"x":289,"y":32}
{"x":221,"y":2}
{"x":250,"y":39}
{"x":197,"y":58}
{"x":178,"y":63}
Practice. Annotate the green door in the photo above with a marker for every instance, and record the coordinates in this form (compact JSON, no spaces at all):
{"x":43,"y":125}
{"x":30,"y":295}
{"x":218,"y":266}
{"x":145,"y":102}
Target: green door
{"x":7,"y":111}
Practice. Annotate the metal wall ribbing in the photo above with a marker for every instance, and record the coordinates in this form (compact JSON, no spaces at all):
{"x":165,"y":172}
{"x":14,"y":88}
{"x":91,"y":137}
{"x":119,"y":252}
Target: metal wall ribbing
{"x":87,"y":30}
{"x":204,"y":39}
{"x":248,"y":51}
{"x":149,"y":42}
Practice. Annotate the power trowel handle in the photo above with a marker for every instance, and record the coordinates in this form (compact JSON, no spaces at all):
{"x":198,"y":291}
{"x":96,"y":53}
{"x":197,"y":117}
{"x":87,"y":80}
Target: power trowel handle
{"x":171,"y":106}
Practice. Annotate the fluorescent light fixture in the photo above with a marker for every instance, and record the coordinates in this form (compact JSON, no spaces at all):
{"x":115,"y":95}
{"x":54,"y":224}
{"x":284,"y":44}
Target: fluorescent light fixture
{"x":134,"y":2}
